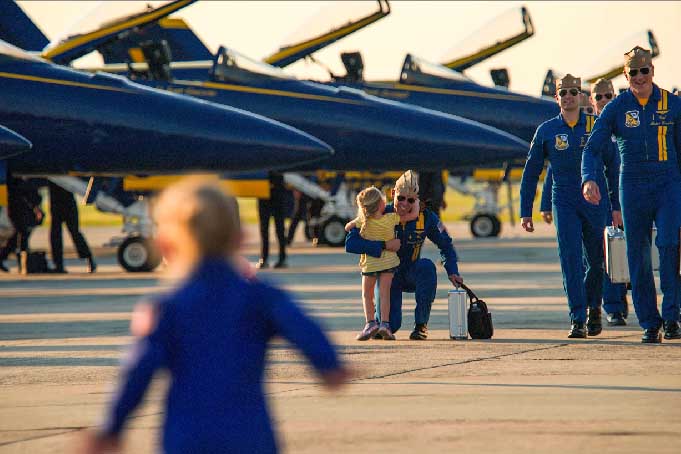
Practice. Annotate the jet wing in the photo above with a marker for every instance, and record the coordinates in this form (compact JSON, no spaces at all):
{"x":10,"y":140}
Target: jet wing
{"x":76,"y":46}
{"x":297,"y":50}
{"x":477,"y":43}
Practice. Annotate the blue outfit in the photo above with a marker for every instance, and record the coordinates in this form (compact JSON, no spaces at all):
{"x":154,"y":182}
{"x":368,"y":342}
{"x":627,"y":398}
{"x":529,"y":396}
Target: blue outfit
{"x":579,"y":225}
{"x":415,"y":274}
{"x":212,"y":335}
{"x":613,"y":294}
{"x":649,"y":143}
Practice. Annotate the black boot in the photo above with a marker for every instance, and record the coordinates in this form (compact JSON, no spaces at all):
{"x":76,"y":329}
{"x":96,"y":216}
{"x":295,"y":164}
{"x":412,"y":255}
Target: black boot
{"x":3,"y":268}
{"x":651,"y":336}
{"x":282,"y":262}
{"x":672,"y":330}
{"x":616,"y":319}
{"x":594,"y":324}
{"x":420,"y":332}
{"x":577,"y":331}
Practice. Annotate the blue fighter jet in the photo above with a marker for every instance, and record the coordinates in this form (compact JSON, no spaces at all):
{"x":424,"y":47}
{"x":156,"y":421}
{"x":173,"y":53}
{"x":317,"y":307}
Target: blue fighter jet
{"x":102,"y":124}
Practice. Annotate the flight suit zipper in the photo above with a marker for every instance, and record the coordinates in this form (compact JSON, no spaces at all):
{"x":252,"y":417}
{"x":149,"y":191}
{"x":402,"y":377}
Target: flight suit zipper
{"x":645,"y":139}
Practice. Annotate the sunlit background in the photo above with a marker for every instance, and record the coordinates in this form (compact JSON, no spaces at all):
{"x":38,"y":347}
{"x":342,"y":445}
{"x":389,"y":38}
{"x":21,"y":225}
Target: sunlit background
{"x":578,"y":37}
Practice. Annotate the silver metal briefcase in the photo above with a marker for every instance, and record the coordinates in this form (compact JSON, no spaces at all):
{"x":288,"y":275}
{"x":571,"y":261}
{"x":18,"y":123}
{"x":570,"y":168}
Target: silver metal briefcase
{"x":458,"y":314}
{"x":616,"y":254}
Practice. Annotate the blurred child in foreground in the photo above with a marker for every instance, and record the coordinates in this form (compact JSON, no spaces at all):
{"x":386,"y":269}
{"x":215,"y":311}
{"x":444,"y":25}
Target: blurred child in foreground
{"x":211,"y":333}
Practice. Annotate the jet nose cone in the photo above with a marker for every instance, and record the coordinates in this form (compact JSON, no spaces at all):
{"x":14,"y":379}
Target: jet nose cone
{"x":447,"y":141}
{"x":12,"y":143}
{"x":208,"y":136}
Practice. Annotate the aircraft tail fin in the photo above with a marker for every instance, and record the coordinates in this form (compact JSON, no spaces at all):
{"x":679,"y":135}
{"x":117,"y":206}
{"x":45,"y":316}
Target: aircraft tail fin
{"x":18,"y":29}
{"x":616,"y":71}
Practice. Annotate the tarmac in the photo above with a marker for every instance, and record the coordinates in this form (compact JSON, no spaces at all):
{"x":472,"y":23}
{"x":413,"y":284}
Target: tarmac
{"x":529,"y":389}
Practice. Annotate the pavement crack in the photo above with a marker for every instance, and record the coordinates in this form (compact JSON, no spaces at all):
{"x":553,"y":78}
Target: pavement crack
{"x":456,"y":363}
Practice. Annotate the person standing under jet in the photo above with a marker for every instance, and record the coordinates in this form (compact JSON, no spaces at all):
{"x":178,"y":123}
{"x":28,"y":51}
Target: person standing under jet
{"x":415,"y":274}
{"x":614,"y":295}
{"x":23,"y":206}
{"x":646,"y":121}
{"x":273,"y":207}
{"x":579,"y":225}
{"x":63,"y":210}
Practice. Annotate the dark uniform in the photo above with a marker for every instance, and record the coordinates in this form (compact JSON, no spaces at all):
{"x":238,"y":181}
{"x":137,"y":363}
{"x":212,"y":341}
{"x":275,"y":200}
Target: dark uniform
{"x":415,"y":274}
{"x":649,"y":143}
{"x":63,"y":209}
{"x":23,"y":203}
{"x":579,"y":224}
{"x":274,"y":207}
{"x":614,"y":295}
{"x":212,"y":336}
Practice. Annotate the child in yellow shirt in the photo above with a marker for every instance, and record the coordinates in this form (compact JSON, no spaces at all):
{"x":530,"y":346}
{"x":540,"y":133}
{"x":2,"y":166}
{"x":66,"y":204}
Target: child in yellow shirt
{"x":376,"y":225}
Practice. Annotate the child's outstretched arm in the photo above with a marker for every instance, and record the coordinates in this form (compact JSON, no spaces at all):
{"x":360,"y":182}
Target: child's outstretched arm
{"x":351,"y":225}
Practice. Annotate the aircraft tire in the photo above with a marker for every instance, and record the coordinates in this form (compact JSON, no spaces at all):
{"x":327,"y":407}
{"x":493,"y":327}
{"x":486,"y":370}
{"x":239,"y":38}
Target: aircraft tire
{"x":485,"y":226}
{"x":333,"y":232}
{"x":137,"y":254}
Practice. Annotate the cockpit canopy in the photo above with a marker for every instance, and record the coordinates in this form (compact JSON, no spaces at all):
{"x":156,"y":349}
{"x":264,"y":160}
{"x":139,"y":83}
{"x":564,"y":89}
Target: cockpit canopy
{"x":418,"y":71}
{"x":231,"y":66}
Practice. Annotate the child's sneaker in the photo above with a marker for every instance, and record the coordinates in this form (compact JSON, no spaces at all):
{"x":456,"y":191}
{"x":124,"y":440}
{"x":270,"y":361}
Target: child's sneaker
{"x":384,"y":331}
{"x":368,"y":332}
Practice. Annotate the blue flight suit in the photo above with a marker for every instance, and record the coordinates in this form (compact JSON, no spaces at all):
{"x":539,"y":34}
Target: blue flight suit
{"x":579,"y":225}
{"x":415,"y":274}
{"x":613,"y":294}
{"x":212,"y":335}
{"x":649,"y":143}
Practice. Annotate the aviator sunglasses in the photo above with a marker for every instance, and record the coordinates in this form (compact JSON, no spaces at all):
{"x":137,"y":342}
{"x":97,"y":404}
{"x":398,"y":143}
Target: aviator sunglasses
{"x":401,"y":198}
{"x":599,"y":96}
{"x":634,"y":72}
{"x":565,"y":91}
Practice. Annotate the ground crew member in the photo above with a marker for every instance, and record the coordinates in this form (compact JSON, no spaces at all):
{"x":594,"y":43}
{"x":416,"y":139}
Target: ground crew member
{"x":432,"y":191}
{"x":63,"y":209}
{"x":415,"y":274}
{"x":23,"y":208}
{"x":273,"y":207}
{"x":614,"y":295}
{"x":579,"y":225}
{"x":646,"y":121}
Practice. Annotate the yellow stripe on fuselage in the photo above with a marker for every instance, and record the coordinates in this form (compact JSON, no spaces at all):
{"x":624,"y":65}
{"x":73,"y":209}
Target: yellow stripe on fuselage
{"x":449,"y":91}
{"x":139,"y":20}
{"x":3,"y":195}
{"x":176,"y":23}
{"x":271,"y":92}
{"x":238,"y":188}
{"x":47,"y":80}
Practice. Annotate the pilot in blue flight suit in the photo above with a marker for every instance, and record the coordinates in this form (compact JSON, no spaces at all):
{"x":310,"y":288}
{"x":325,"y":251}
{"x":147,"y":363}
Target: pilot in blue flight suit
{"x":646,"y":121}
{"x":415,"y":274}
{"x":614,"y":295}
{"x":579,"y":225}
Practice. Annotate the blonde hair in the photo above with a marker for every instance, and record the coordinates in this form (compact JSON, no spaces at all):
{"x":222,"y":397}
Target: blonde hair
{"x":202,"y":212}
{"x":367,"y":204}
{"x":408,"y":182}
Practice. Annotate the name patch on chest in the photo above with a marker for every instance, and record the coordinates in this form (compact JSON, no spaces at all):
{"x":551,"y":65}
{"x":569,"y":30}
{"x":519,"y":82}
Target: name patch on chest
{"x":631,"y":119}
{"x":561,"y":141}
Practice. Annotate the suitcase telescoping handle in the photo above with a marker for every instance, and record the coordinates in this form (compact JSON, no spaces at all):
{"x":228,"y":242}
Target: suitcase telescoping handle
{"x":470,"y":293}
